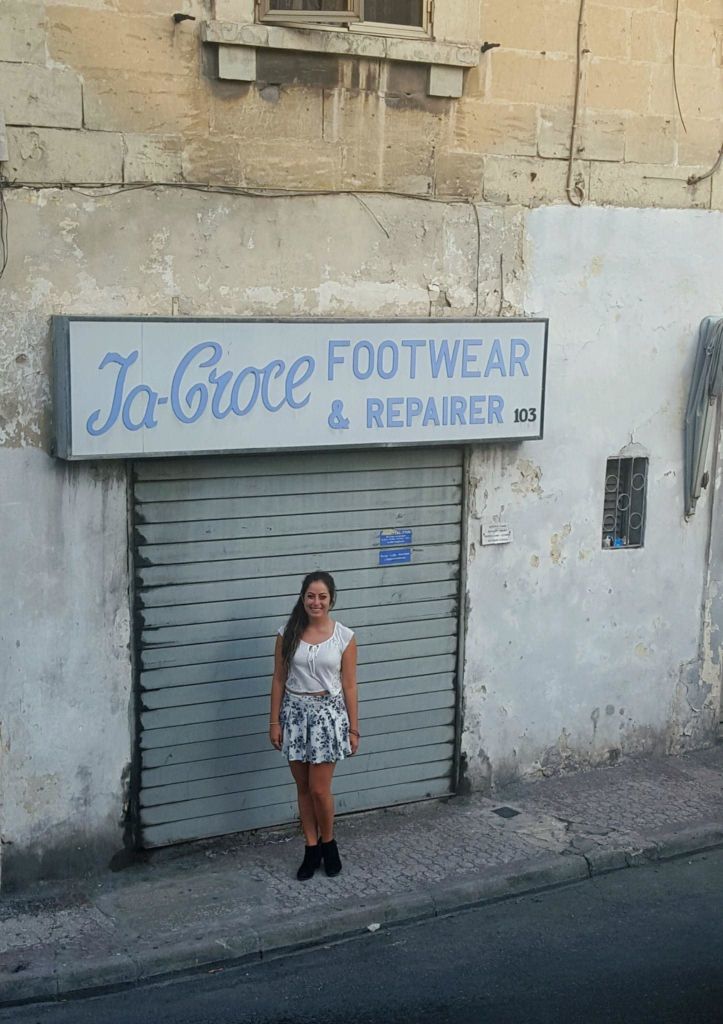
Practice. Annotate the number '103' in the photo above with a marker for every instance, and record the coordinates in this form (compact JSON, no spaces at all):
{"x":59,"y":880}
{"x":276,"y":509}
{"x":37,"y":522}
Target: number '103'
{"x":525,"y":415}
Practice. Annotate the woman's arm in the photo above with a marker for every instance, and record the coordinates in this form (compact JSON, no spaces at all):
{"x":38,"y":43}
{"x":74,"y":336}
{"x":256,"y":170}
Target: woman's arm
{"x":348,"y":683}
{"x":277,"y":694}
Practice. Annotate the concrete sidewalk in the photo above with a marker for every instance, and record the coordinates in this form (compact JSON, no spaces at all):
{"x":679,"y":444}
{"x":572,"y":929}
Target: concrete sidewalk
{"x":216,"y":902}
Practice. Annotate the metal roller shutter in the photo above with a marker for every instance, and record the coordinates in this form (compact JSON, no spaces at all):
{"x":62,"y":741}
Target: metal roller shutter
{"x":221,"y":547}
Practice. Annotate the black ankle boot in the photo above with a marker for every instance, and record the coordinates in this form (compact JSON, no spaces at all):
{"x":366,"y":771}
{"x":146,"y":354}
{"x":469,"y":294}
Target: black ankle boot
{"x":311,"y":861}
{"x":332,"y":860}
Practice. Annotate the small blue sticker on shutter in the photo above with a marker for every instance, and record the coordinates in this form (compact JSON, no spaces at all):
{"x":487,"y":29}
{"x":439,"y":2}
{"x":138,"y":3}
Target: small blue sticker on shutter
{"x":397,"y":556}
{"x":393,"y":538}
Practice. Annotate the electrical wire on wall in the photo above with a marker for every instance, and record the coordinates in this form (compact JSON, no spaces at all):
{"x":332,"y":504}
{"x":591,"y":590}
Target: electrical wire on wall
{"x":576,"y":190}
{"x":695,"y":179}
{"x":4,"y":227}
{"x":675,"y":63}
{"x":105,"y":189}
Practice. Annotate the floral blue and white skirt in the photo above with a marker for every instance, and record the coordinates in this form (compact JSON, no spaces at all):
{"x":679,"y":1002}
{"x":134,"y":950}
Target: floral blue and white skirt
{"x":314,"y":729}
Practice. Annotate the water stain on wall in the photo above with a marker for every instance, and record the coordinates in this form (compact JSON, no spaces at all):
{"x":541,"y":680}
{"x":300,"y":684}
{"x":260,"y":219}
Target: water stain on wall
{"x":556,"y":542}
{"x":529,"y":480}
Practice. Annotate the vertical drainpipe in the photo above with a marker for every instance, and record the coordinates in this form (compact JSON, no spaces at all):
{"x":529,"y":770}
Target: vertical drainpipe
{"x":712,"y":604}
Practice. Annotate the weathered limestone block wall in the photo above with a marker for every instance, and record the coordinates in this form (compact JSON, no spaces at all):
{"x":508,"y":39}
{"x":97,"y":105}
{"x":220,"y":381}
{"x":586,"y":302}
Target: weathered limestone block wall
{"x":576,"y":654}
{"x":632,"y":149}
{"x":111,"y":91}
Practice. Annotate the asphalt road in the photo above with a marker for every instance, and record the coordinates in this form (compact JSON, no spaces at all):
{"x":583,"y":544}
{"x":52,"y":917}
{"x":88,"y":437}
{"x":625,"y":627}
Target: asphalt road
{"x":640,"y":946}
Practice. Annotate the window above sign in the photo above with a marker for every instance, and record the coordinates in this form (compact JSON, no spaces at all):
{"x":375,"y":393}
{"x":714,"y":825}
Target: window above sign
{"x":395,"y":16}
{"x":442,"y":34}
{"x":309,"y":12}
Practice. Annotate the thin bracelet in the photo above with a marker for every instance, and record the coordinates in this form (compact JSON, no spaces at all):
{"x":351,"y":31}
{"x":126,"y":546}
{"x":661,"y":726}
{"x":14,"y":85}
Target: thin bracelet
{"x":274,"y":723}
{"x":353,"y":732}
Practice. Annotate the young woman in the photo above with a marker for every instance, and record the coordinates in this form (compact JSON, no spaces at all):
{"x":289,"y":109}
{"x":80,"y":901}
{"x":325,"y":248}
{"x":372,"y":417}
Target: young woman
{"x":314,"y":717}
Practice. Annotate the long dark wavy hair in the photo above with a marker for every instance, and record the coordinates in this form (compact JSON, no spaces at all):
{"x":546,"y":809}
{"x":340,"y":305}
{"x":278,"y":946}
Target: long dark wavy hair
{"x":299,"y":620}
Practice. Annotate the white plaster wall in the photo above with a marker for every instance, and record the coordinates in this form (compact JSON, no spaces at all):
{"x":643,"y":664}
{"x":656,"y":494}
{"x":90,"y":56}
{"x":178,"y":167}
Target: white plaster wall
{"x":558,"y":630}
{"x":576,"y":654}
{"x":65,"y":684}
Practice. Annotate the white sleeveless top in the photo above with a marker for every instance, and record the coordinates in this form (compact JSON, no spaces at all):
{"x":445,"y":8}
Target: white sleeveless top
{"x":317,"y":667}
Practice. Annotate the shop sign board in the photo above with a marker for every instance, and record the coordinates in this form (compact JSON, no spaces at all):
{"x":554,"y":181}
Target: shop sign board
{"x":129,"y":388}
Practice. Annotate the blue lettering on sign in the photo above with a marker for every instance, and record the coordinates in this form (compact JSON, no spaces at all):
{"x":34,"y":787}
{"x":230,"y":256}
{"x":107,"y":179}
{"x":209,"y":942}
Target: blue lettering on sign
{"x":392,"y":538}
{"x":447,"y":411}
{"x":202,"y":385}
{"x":275,"y":384}
{"x":124,"y":362}
{"x":397,"y":556}
{"x":446,"y":358}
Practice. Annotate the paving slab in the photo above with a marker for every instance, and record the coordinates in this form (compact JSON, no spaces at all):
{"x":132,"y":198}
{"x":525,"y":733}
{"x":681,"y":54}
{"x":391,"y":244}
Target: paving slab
{"x":220,"y":902}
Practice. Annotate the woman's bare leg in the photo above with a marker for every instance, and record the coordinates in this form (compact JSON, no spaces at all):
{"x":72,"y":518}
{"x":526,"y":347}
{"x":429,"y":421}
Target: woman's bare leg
{"x":319,"y":783}
{"x":307,"y":813}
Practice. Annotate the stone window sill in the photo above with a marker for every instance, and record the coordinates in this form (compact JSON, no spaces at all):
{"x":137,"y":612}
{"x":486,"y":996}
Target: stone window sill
{"x":237,"y":45}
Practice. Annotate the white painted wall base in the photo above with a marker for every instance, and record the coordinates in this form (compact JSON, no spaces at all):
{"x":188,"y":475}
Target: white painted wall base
{"x":65,"y":684}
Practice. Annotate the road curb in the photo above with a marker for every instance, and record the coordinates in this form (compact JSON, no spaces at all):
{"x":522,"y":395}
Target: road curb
{"x":514,"y":879}
{"x":231,"y":948}
{"x":684,"y":841}
{"x":31,"y":987}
